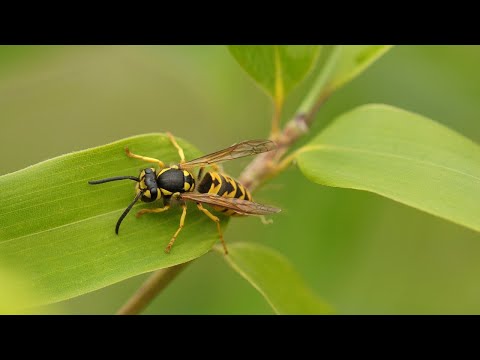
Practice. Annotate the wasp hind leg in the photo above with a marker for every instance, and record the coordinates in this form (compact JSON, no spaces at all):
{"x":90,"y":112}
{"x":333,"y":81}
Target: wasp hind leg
{"x":179,"y":149}
{"x":152,"y":211}
{"x":144,"y":158}
{"x":217,"y":221}
{"x":182,"y":222}
{"x":265,"y":221}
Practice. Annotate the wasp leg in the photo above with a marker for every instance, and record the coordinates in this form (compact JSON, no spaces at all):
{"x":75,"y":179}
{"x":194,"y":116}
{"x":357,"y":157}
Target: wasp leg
{"x":145,"y":158}
{"x":265,"y":221}
{"x":156,"y":210}
{"x":179,"y":149}
{"x":217,"y":220}
{"x":182,"y":222}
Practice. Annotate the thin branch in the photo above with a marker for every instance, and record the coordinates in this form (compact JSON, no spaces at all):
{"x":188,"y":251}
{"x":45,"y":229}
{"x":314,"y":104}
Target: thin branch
{"x":265,"y":165}
{"x":150,"y":289}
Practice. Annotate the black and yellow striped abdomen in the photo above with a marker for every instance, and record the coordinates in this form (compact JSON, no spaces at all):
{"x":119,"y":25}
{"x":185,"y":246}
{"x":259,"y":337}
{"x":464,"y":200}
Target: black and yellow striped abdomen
{"x":223,"y":185}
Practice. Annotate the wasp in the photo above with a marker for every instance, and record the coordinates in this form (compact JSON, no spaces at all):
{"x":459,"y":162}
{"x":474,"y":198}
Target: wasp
{"x":215,"y":188}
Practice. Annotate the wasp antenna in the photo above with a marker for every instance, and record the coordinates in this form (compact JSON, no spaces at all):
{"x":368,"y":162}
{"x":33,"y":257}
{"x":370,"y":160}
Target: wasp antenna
{"x":95,"y":182}
{"x":140,"y":193}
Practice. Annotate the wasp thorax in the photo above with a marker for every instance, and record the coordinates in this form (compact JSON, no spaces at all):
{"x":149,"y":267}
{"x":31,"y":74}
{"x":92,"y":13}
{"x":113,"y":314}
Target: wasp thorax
{"x":148,"y":185}
{"x":174,"y":180}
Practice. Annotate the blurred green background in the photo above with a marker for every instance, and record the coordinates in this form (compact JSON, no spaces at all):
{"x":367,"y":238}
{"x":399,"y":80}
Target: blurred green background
{"x":362,"y":253}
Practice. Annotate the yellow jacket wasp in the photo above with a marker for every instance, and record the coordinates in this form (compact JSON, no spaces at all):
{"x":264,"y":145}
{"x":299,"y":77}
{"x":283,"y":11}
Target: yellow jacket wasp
{"x":215,"y":188}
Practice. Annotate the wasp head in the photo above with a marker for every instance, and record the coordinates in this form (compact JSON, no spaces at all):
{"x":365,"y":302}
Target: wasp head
{"x":147,"y":185}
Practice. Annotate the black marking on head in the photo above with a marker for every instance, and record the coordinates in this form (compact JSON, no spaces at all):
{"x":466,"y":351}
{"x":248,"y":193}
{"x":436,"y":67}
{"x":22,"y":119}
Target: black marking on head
{"x":205,"y":184}
{"x":152,"y":197}
{"x":150,"y":185}
{"x":150,"y":179}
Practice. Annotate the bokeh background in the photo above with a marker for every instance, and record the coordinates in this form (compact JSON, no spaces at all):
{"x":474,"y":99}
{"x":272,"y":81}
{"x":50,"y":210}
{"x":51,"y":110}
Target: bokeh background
{"x":363,"y":253}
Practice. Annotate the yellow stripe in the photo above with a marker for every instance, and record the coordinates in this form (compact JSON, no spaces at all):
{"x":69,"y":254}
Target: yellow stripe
{"x":162,"y":171}
{"x":234,"y":185}
{"x":242,"y":188}
{"x":166,"y":192}
{"x":215,"y":189}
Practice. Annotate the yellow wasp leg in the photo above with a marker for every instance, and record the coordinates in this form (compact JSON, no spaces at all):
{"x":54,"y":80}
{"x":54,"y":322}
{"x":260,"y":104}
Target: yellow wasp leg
{"x":156,"y":210}
{"x":182,"y":222}
{"x":144,"y":158}
{"x":180,"y":150}
{"x":265,"y":221}
{"x":217,"y":220}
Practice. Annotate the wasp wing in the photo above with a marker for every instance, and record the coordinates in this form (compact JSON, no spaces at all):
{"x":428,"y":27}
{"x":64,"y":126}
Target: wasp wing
{"x":240,"y":206}
{"x":244,"y":148}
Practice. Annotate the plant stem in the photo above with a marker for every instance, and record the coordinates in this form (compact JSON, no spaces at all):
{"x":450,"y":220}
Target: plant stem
{"x":150,"y":288}
{"x":277,"y":113}
{"x":279,"y":95}
{"x":264,"y":166}
{"x":308,"y":104}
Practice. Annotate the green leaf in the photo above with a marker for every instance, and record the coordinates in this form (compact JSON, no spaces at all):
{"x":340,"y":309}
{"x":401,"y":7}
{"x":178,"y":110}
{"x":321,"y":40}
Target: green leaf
{"x":275,"y":279}
{"x":352,"y":60}
{"x":15,"y":294}
{"x":59,"y":231}
{"x":400,"y":155}
{"x":344,"y":64}
{"x":277,"y":69}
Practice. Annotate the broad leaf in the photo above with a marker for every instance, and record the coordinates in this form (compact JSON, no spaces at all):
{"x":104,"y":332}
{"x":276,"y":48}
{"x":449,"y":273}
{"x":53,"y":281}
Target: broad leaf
{"x":59,"y":231}
{"x":400,"y":155}
{"x":15,"y":294}
{"x":277,"y":69}
{"x":352,"y":60}
{"x":275,"y":278}
{"x":345,"y":62}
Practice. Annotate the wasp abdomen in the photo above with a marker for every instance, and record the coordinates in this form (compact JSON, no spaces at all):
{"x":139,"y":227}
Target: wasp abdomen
{"x":223,"y":185}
